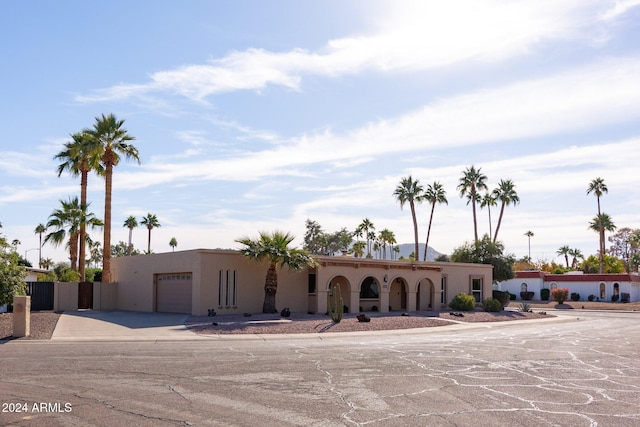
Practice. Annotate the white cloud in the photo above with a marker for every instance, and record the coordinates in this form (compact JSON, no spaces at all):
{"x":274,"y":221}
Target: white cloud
{"x":619,"y":8}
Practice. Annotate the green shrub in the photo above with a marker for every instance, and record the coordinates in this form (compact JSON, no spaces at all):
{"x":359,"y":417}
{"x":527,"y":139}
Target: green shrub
{"x":575,"y":296}
{"x":492,"y":305}
{"x":463,"y":302}
{"x":560,"y":295}
{"x":503,"y":297}
{"x":524,"y":307}
{"x":512,"y":297}
{"x":544,"y":294}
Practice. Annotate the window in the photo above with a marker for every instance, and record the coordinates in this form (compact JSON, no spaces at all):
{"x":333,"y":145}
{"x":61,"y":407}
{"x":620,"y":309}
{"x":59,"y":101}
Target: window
{"x":443,"y":290}
{"x":603,"y":291}
{"x":227,"y":288}
{"x":312,"y":284}
{"x":369,"y":289}
{"x":476,"y":288}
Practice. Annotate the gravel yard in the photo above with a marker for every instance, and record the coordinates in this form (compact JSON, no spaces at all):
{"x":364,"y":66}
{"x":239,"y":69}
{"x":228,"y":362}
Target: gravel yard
{"x":43,"y":324}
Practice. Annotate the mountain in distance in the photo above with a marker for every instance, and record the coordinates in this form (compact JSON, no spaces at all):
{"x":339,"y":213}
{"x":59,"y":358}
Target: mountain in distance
{"x":407,"y":248}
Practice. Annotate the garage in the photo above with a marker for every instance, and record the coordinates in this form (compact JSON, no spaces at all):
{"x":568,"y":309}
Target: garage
{"x":173,"y":293}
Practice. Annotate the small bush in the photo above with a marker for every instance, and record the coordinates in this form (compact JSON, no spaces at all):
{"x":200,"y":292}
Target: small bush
{"x":524,"y":307}
{"x":614,"y":298}
{"x":503,"y":297}
{"x":625,"y":297}
{"x":492,"y":305}
{"x":560,"y":295}
{"x":463,"y":302}
{"x":512,"y":297}
{"x":575,"y":296}
{"x":591,"y":297}
{"x":544,"y":294}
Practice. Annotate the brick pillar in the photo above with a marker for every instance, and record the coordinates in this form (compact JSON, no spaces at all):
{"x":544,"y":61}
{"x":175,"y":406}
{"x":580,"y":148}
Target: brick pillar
{"x":21,"y":316}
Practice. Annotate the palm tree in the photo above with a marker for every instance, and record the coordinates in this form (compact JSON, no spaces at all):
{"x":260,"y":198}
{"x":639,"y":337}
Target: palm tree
{"x":358,"y":249}
{"x":506,"y":194}
{"x":274,"y":249}
{"x":470,"y":183}
{"x":576,"y":254}
{"x":108,"y":140}
{"x":564,"y":251}
{"x":130,"y":223}
{"x":151,"y":222}
{"x":598,"y":187}
{"x":364,"y":229}
{"x":600,"y":224}
{"x":412,"y":192}
{"x":173,"y":243}
{"x":435,"y":193}
{"x":46,"y":263}
{"x":529,"y":235}
{"x":66,"y":222}
{"x":40,"y":230}
{"x":79,"y":158}
{"x":489,"y":201}
{"x":386,"y":236}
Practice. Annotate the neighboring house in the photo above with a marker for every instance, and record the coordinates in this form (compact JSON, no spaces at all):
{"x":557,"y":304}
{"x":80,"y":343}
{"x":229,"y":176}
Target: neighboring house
{"x":200,"y":280}
{"x":602,"y":287}
{"x":32,"y":276}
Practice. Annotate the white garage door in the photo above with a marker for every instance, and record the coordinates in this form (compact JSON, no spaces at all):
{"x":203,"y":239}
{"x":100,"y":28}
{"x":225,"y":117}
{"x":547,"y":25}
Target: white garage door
{"x":173,"y":293}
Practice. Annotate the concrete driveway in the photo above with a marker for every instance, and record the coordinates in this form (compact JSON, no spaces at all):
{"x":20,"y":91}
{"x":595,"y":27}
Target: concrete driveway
{"x":122,"y":326}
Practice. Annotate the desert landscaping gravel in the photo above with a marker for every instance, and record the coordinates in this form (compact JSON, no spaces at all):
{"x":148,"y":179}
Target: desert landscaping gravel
{"x":43,"y":324}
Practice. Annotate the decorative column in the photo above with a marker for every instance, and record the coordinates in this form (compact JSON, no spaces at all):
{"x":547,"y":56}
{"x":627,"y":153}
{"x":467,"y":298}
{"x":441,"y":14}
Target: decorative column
{"x":21,"y":316}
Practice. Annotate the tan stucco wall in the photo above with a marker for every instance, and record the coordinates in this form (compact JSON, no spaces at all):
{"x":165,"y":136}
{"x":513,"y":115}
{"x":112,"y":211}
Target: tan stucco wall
{"x":65,"y":296}
{"x":135,"y":281}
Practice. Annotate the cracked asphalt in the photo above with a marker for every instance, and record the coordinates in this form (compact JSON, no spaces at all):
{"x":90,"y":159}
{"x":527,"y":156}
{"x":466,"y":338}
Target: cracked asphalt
{"x":582,"y":372}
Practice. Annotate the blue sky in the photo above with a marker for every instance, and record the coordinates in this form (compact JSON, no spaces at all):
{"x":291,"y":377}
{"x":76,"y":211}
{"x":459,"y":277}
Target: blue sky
{"x":254,"y":115}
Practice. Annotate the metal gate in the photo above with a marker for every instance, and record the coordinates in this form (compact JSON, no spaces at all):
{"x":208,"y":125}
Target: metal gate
{"x":85,"y":295}
{"x":41,"y":294}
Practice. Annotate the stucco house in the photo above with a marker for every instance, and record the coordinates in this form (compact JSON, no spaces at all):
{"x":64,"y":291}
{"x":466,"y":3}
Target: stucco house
{"x":603,"y":287}
{"x":197,"y":281}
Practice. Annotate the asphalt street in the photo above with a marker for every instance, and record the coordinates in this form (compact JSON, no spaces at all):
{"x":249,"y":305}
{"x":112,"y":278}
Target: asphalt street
{"x":584,"y":371}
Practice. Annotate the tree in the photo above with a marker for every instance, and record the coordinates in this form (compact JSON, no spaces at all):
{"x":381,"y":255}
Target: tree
{"x":612,"y":265}
{"x":486,"y":251}
{"x":151,"y":222}
{"x":66,"y":222}
{"x":506,"y":194}
{"x":131,"y":222}
{"x":488,"y":201}
{"x":46,"y":263}
{"x":601,"y":223}
{"x":40,"y":230}
{"x":471,"y":182}
{"x":386,"y":238}
{"x":173,"y":243}
{"x":358,"y":249}
{"x":529,"y":235}
{"x":12,"y":275}
{"x":318,"y":242}
{"x":576,"y":255}
{"x":274,"y":249}
{"x":625,"y":244}
{"x":564,"y":251}
{"x":598,"y":188}
{"x":79,"y":158}
{"x":366,"y":228}
{"x":108,"y":140}
{"x":410,"y":191}
{"x":435,"y":193}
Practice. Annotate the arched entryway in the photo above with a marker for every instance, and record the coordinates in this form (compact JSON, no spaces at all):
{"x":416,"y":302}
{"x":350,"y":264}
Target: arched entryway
{"x":370,"y":294}
{"x":343,"y":284}
{"x":398,"y":294}
{"x":424,"y":298}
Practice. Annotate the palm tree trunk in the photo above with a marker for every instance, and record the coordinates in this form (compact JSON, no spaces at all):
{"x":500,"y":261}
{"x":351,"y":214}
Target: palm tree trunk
{"x":73,"y":250}
{"x":149,"y":241}
{"x":83,"y":224}
{"x":106,"y":252}
{"x":415,"y":231}
{"x":601,"y":258}
{"x":426,"y":245}
{"x":473,"y":207}
{"x":130,"y":234}
{"x":495,"y":236}
{"x":566,"y":258}
{"x":270,"y":288}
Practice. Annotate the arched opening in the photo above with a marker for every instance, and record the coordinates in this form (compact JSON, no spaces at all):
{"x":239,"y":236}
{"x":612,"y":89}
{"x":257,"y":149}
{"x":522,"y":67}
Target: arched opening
{"x":424,"y":297}
{"x":370,"y":294}
{"x":342,"y":283}
{"x":523,"y":287}
{"x":398,"y":294}
{"x":603,"y":291}
{"x":616,"y":292}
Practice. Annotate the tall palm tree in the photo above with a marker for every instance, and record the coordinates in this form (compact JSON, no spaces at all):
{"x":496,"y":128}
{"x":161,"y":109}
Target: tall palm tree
{"x":108,"y":140}
{"x":600,"y":224}
{"x":366,"y":228}
{"x":506,"y":194}
{"x":470,"y":183}
{"x":435,"y":193}
{"x":564,"y":251}
{"x":79,"y":158}
{"x":173,"y":243}
{"x":488,"y":201}
{"x":529,"y":235}
{"x":576,"y":254}
{"x":598,"y":187}
{"x":410,"y":191}
{"x":385,"y":238}
{"x":130,"y":223}
{"x":358,"y":249}
{"x":274,"y":249}
{"x":65,"y":222}
{"x":151,"y":222}
{"x":40,"y":230}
